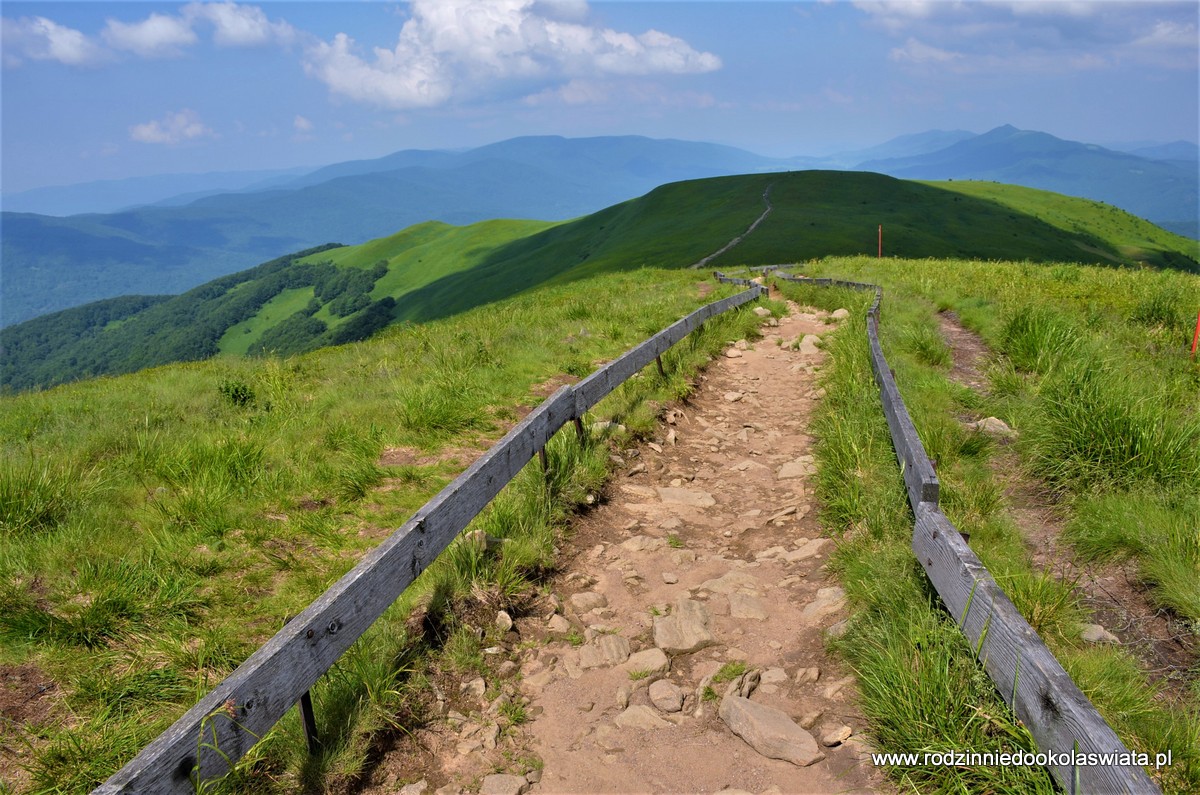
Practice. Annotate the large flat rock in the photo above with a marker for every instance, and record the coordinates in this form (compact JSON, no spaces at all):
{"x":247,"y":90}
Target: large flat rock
{"x":769,"y":732}
{"x":685,"y":630}
{"x":692,"y":497}
{"x":604,"y":651}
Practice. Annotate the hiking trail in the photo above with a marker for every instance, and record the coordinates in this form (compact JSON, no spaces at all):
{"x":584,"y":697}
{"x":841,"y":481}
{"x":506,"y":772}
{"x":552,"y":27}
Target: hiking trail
{"x":707,"y":552}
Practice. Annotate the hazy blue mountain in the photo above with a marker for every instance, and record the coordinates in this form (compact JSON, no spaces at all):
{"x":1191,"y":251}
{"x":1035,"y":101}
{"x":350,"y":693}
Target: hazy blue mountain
{"x":902,"y":146}
{"x":1159,"y":191}
{"x":1176,"y":150}
{"x":55,"y":263}
{"x":106,"y":196}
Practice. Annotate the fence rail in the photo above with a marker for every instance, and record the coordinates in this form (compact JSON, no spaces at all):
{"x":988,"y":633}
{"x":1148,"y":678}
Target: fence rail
{"x":223,"y":726}
{"x":1060,"y":717}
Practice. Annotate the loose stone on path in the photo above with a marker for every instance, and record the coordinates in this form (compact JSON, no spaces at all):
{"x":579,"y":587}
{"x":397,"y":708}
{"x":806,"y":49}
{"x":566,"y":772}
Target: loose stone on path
{"x":769,"y":731}
{"x":684,"y":631}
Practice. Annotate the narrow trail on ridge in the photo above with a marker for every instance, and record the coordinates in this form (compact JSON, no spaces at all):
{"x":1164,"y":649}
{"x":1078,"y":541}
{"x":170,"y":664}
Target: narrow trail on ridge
{"x":707,"y":552}
{"x":742,"y":236}
{"x":704,"y":556}
{"x":1111,"y":592}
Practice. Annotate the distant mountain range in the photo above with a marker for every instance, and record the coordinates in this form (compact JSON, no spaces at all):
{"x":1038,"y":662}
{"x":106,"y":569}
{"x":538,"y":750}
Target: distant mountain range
{"x":184,"y":239}
{"x":328,"y":296}
{"x":114,"y":195}
{"x":1161,"y":190}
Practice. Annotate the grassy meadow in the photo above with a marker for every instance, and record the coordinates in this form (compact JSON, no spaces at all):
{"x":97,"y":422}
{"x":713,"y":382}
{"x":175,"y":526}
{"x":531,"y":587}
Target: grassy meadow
{"x":1090,"y":365}
{"x":155,"y":528}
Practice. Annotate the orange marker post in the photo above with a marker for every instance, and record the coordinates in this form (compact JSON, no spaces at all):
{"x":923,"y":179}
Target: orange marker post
{"x":1196,"y":336}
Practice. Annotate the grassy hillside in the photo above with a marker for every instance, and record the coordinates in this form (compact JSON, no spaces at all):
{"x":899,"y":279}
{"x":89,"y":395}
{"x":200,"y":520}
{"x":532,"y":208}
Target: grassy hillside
{"x":156,"y":527}
{"x":434,"y":270}
{"x":1133,"y":238}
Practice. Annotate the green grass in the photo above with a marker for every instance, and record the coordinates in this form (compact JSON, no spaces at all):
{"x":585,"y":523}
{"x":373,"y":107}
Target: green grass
{"x":238,"y":339}
{"x":204,"y":504}
{"x":729,"y":671}
{"x":1105,"y":402}
{"x":1131,"y":237}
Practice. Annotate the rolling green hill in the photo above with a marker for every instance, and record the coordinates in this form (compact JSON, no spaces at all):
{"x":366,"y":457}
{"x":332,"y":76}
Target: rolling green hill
{"x":332,"y":295}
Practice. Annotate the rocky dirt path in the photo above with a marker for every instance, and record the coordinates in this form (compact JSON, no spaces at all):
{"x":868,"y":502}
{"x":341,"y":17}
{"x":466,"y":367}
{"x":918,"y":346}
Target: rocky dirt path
{"x":681,"y":649}
{"x":706,"y":558}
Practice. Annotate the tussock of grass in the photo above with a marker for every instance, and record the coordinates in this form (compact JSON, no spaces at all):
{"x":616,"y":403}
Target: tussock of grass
{"x":36,"y":497}
{"x":1037,"y":338}
{"x":1096,"y":425}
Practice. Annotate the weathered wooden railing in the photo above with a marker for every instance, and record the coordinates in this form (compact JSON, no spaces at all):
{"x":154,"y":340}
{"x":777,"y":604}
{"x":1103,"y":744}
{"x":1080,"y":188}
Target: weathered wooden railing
{"x":219,"y":730}
{"x":1074,"y":740}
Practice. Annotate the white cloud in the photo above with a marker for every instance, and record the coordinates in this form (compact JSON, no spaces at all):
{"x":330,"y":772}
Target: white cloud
{"x":240,"y":25}
{"x":157,"y":36}
{"x":915,"y":51}
{"x":302,"y":124}
{"x":450,"y":47}
{"x":1035,"y":37}
{"x":1170,"y":34}
{"x":173,"y":128}
{"x":574,"y":92}
{"x":41,"y":39}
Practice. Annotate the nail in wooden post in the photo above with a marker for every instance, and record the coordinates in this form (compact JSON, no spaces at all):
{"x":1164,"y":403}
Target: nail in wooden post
{"x":661,"y":370}
{"x":309,"y":722}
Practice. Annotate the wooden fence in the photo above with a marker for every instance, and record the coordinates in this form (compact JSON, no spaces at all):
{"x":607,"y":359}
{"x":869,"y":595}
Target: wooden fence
{"x":1072,"y":737}
{"x":220,"y":729}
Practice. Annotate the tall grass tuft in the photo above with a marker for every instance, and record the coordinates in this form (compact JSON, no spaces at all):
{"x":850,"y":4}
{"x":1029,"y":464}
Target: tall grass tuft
{"x":925,"y":343}
{"x":36,"y":498}
{"x":1097,"y":427}
{"x":440,"y":408}
{"x":1036,"y":339}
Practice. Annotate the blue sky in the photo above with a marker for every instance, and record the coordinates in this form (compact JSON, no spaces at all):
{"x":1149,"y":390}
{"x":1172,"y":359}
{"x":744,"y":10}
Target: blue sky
{"x":102,"y":90}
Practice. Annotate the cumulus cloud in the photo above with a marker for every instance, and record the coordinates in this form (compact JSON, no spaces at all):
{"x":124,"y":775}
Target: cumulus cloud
{"x":41,"y":39}
{"x":1035,"y":37}
{"x":173,"y":128}
{"x":157,"y":36}
{"x":449,"y":47}
{"x":239,"y":25}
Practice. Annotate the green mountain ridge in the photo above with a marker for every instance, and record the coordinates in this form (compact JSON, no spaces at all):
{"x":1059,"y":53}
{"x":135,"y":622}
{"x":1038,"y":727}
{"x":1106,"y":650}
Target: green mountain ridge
{"x":336,"y":294}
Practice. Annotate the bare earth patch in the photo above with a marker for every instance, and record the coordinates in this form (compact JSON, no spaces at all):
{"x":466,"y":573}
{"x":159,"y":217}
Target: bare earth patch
{"x":27,"y":699}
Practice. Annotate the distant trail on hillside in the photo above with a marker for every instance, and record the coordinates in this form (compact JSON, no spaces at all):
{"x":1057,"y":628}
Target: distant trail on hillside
{"x":742,"y":236}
